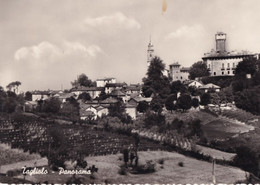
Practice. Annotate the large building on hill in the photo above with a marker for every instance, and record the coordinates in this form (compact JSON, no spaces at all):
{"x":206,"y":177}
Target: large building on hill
{"x":221,"y":62}
{"x":176,"y":72}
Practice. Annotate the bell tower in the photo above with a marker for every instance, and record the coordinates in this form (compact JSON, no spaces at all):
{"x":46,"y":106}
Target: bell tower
{"x":150,"y":53}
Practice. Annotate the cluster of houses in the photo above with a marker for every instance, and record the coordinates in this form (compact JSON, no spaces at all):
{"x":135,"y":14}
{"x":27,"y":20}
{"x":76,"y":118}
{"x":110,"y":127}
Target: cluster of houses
{"x":131,"y":95}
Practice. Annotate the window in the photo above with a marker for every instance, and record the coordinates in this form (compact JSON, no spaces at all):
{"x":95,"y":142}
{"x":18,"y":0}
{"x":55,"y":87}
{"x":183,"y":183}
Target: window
{"x":181,"y":77}
{"x":222,"y":65}
{"x":228,"y":65}
{"x":233,"y":72}
{"x":234,"y":65}
{"x":228,"y":72}
{"x":214,"y":73}
{"x":222,"y":72}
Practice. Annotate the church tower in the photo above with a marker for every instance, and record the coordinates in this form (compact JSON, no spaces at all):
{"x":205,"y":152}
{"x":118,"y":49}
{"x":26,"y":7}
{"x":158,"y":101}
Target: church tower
{"x":150,"y":53}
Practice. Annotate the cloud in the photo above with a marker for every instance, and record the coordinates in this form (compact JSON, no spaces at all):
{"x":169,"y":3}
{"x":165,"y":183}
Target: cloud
{"x":117,"y":20}
{"x":187,"y":32}
{"x":47,"y":50}
{"x":38,"y":51}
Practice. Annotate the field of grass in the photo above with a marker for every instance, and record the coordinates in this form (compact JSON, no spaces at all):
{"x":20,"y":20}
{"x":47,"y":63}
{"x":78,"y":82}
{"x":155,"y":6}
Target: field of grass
{"x":190,"y":115}
{"x":8,"y":155}
{"x":193,"y":171}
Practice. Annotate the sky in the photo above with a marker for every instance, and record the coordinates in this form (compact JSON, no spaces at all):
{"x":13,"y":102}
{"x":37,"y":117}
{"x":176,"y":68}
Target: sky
{"x":46,"y":44}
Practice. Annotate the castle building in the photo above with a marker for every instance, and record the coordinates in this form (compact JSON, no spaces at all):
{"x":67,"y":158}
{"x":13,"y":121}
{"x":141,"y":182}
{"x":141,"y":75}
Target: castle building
{"x":221,"y":62}
{"x":177,"y":72}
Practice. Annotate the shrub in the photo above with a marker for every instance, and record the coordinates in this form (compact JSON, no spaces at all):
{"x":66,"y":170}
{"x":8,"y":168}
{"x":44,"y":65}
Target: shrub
{"x":180,"y":164}
{"x":122,"y":170}
{"x":161,"y":161}
{"x":149,"y":167}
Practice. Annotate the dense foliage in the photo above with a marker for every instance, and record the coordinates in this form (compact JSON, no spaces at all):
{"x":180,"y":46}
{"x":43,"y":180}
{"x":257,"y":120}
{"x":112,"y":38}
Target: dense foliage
{"x":156,"y":84}
{"x":82,"y":80}
{"x":198,"y":69}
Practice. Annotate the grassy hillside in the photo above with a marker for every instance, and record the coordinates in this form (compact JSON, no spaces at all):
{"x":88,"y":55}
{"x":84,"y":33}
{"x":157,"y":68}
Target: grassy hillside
{"x":190,"y":115}
{"x":193,"y":171}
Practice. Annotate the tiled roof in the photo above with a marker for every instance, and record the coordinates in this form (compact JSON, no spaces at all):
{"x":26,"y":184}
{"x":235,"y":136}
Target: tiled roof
{"x":139,"y":99}
{"x":226,"y":54}
{"x":210,"y":85}
{"x":83,"y":112}
{"x":116,"y":84}
{"x":109,"y":101}
{"x":185,"y":69}
{"x":117,"y":93}
{"x":66,"y":95}
{"x":82,"y":88}
{"x":133,"y":88}
{"x":128,"y":105}
{"x":175,"y":64}
{"x":41,"y":92}
{"x":104,"y":79}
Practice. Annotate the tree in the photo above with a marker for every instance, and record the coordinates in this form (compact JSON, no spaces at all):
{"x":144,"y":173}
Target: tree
{"x":14,"y":86}
{"x":247,"y":66}
{"x":198,"y":69}
{"x":205,"y":99}
{"x":157,"y":104}
{"x":142,"y":106}
{"x":28,"y":96}
{"x":177,"y":86}
{"x":215,"y":99}
{"x":195,"y":126}
{"x":193,"y":91}
{"x":195,"y":102}
{"x":102,"y":95}
{"x":246,"y":159}
{"x":156,"y":83}
{"x":249,"y":100}
{"x":84,"y":96}
{"x":83,"y":80}
{"x":184,"y":102}
{"x":154,"y":119}
{"x":52,"y":105}
{"x":118,"y":110}
{"x":169,"y":103}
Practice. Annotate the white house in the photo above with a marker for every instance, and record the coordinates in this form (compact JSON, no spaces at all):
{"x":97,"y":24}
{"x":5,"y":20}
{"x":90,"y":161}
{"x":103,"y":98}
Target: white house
{"x":209,"y":86}
{"x":40,"y":95}
{"x":103,"y":81}
{"x":131,"y":110}
{"x":194,"y":83}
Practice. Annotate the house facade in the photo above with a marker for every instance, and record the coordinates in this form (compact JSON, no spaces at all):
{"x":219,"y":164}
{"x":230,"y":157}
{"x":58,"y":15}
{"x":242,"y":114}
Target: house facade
{"x":93,"y":91}
{"x":103,"y":81}
{"x":176,"y":72}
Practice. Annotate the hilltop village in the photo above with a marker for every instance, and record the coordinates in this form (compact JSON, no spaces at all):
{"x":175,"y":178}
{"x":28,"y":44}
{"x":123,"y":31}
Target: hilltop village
{"x":218,"y":62}
{"x":178,"y":122}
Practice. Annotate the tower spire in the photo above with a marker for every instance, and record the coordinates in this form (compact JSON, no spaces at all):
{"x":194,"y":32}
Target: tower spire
{"x":150,"y":52}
